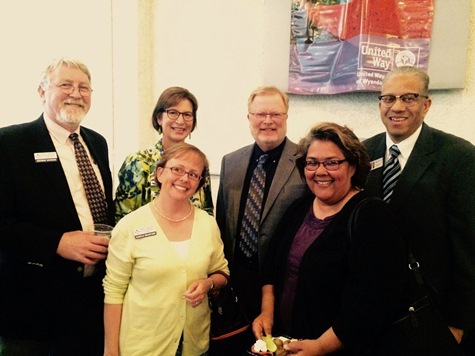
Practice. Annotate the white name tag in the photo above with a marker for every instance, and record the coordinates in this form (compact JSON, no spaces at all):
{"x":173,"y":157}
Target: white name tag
{"x":41,"y":157}
{"x":142,"y":232}
{"x":378,"y":163}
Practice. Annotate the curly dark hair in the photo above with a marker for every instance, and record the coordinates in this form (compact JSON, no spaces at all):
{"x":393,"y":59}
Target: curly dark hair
{"x":352,"y":148}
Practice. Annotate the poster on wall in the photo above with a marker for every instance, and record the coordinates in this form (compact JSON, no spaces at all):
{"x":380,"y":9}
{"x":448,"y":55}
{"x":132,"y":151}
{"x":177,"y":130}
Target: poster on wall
{"x":339,"y":46}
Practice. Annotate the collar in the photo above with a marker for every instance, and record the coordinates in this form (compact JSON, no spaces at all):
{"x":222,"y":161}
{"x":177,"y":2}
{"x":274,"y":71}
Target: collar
{"x":274,"y":154}
{"x":406,"y":146}
{"x":58,"y":132}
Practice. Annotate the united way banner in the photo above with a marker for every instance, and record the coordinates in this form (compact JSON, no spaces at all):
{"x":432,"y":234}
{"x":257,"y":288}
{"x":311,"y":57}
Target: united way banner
{"x":345,"y":46}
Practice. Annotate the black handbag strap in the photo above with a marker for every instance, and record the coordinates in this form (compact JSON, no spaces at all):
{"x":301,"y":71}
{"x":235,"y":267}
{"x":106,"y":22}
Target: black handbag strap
{"x":413,"y":264}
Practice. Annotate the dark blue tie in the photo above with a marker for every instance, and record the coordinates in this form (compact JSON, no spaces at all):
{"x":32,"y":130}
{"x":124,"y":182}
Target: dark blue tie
{"x":253,"y":209}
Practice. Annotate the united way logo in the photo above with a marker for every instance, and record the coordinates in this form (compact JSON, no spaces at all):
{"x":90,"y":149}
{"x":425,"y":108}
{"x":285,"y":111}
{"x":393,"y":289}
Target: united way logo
{"x":384,"y":57}
{"x":405,"y":58}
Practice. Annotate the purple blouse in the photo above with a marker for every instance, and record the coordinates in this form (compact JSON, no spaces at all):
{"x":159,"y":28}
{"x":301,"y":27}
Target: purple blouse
{"x":310,"y":230}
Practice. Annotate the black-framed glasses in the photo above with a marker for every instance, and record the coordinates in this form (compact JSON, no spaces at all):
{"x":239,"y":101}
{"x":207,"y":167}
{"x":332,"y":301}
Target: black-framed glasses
{"x":175,"y":114}
{"x":330,"y":165}
{"x":273,"y":115}
{"x":181,"y":172}
{"x":68,"y":88}
{"x":407,"y":99}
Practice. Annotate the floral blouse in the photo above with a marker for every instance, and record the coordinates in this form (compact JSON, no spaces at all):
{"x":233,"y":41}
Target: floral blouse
{"x":137,"y":185}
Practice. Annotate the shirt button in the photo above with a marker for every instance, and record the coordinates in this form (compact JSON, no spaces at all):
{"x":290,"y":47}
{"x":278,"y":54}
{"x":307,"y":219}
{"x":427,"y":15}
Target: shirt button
{"x":80,"y":269}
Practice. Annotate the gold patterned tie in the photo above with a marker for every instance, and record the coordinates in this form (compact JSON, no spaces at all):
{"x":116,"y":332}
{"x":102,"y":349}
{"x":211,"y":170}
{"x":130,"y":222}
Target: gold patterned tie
{"x":94,"y":193}
{"x":253,"y":209}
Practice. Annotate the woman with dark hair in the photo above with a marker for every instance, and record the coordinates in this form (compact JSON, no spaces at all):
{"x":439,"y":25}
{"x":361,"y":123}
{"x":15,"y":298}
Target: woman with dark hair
{"x":334,"y":291}
{"x":174,"y":118}
{"x":163,"y":260}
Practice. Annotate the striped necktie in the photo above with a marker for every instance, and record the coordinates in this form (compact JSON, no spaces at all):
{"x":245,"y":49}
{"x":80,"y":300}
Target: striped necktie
{"x":253,"y":209}
{"x":94,"y":194}
{"x":391,"y":173}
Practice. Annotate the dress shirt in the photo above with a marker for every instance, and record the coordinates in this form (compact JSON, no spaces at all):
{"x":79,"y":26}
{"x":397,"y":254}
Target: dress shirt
{"x":405,"y":147}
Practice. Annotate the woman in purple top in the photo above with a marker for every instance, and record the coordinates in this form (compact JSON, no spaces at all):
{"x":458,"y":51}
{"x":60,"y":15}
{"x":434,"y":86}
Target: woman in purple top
{"x":335,"y":293}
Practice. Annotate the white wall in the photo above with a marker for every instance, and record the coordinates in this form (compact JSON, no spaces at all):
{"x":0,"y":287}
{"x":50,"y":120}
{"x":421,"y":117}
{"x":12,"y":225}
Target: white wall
{"x":220,"y":50}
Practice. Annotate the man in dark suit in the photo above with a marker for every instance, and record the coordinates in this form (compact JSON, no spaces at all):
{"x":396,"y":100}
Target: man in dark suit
{"x":434,"y":197}
{"x":51,"y":268}
{"x":267,"y":115}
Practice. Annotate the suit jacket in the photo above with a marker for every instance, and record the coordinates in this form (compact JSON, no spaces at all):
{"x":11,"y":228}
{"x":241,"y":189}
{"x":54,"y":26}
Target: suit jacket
{"x":434,"y":200}
{"x":286,"y":186}
{"x":36,"y":208}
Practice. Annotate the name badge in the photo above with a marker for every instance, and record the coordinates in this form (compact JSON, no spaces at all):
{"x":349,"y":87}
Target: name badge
{"x":142,"y":232}
{"x":378,"y":163}
{"x":41,"y":157}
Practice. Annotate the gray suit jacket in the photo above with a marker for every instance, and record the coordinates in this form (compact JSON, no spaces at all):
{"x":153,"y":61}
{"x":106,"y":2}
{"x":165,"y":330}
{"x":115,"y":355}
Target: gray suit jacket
{"x":434,"y":200}
{"x":286,"y":187}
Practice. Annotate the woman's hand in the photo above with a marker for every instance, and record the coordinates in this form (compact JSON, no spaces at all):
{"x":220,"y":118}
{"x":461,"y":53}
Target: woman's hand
{"x":326,"y":344}
{"x":304,"y":348}
{"x":262,"y":325}
{"x":197,"y":290}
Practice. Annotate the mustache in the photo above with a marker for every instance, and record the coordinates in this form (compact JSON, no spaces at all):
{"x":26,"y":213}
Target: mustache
{"x":74,"y":102}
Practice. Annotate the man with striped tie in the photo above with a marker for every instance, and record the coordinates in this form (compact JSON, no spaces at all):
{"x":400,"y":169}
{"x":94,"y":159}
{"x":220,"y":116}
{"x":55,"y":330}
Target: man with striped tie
{"x":426,"y":176}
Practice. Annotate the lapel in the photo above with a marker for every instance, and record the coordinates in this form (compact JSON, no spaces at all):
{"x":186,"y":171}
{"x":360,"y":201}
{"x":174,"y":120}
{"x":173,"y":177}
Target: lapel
{"x":239,"y":169}
{"x":377,"y":150}
{"x":52,"y":172}
{"x":283,"y":172}
{"x":416,"y":166}
{"x":93,"y":145}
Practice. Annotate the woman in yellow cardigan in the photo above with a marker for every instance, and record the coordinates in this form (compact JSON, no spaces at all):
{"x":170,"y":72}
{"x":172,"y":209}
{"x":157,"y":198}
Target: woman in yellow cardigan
{"x":163,"y":260}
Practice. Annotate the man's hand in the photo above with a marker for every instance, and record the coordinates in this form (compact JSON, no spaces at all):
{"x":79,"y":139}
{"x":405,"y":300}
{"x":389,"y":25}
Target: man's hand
{"x":83,"y":247}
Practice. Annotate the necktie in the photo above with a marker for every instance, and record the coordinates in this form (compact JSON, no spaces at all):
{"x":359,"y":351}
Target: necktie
{"x":253,"y":209}
{"x":94,"y":194}
{"x":391,"y":172}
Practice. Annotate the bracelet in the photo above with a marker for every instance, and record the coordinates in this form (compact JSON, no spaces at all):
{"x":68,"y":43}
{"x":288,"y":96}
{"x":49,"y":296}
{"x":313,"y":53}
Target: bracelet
{"x":212,"y":284}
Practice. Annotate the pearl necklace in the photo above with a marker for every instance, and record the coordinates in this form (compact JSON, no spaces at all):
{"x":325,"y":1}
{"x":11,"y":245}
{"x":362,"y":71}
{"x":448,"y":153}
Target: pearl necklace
{"x":172,"y":220}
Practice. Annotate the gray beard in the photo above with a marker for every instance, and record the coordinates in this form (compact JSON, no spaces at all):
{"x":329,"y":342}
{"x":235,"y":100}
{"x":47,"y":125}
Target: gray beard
{"x":68,"y":118}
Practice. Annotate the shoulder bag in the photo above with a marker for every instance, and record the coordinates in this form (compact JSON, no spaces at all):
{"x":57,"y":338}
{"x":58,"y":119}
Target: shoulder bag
{"x":422,"y":330}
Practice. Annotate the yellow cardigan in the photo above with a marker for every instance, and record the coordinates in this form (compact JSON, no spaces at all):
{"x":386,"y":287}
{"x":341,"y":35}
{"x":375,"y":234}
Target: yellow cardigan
{"x":145,"y":274}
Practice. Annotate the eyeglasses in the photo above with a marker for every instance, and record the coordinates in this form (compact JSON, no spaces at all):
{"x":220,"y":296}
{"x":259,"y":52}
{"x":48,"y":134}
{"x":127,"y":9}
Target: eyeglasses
{"x":273,"y":116}
{"x":174,"y":115}
{"x":330,"y":165}
{"x":407,"y":99}
{"x":181,"y":172}
{"x":68,"y":89}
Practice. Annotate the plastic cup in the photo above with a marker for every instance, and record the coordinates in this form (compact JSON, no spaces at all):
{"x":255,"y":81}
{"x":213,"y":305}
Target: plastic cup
{"x":103,"y":230}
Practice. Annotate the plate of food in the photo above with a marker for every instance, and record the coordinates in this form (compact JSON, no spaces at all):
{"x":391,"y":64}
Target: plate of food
{"x":271,"y":346}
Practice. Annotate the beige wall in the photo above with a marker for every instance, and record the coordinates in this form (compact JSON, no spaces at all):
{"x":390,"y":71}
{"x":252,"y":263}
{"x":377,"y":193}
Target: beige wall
{"x":220,"y":50}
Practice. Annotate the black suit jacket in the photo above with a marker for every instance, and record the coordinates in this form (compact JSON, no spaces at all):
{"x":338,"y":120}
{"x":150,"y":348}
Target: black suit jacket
{"x":434,"y":200}
{"x":36,"y":208}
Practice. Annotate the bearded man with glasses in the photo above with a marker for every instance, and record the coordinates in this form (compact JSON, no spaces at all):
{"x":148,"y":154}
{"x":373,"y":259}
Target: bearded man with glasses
{"x":51,"y":263}
{"x":434,"y":199}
